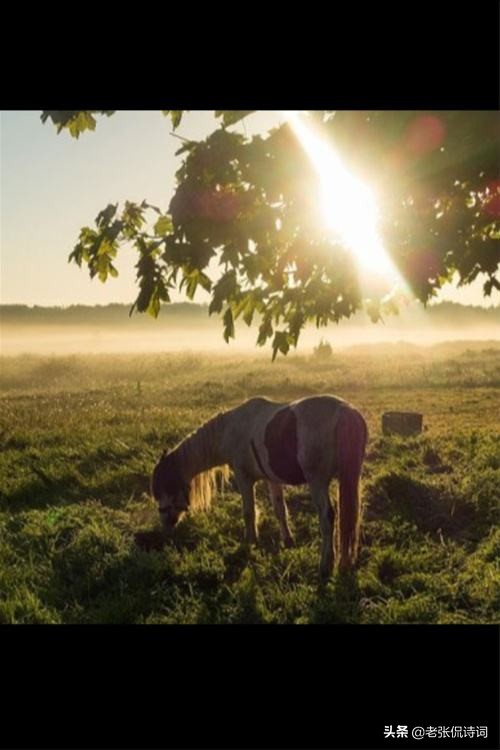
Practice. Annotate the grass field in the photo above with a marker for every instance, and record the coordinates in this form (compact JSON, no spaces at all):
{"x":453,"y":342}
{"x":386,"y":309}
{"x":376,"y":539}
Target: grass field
{"x":79,"y":437}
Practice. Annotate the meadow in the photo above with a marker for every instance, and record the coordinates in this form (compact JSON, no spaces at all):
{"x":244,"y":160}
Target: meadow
{"x":79,"y":436}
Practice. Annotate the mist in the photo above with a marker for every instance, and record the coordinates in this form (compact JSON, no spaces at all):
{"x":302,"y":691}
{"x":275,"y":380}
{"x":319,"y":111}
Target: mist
{"x":187,"y":327}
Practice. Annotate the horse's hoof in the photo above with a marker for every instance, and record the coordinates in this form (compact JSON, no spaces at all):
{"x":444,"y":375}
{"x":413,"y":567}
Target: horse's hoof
{"x":322,"y":585}
{"x":289,"y":543}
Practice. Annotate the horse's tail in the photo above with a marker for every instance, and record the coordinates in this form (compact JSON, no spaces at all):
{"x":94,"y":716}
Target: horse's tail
{"x":351,"y":439}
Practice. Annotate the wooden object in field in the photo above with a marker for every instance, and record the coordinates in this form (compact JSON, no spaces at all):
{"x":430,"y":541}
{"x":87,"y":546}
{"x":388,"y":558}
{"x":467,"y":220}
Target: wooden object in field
{"x":402,"y":423}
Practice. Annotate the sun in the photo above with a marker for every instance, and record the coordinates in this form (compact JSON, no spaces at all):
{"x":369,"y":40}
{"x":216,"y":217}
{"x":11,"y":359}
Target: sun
{"x":348,"y":205}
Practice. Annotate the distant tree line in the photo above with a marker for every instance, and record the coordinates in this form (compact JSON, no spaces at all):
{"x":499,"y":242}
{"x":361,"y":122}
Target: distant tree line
{"x":191,"y":313}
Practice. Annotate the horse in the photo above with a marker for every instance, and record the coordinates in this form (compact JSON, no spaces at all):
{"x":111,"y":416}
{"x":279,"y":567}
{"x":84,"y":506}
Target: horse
{"x":308,"y":441}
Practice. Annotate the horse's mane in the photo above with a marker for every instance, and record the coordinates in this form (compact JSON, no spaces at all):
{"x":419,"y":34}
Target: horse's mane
{"x":204,"y":484}
{"x":203,"y":487}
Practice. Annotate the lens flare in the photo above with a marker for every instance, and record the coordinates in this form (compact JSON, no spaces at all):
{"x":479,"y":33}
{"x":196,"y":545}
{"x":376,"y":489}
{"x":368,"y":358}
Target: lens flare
{"x":348,"y":205}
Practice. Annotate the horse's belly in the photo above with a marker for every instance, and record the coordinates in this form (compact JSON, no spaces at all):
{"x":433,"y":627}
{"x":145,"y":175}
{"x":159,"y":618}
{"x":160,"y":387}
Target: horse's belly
{"x":281,"y":442}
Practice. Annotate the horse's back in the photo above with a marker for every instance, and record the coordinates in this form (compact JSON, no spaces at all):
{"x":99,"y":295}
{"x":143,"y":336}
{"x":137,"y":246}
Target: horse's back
{"x":260,"y":403}
{"x":318,"y":406}
{"x":245,"y":420}
{"x":311,"y":412}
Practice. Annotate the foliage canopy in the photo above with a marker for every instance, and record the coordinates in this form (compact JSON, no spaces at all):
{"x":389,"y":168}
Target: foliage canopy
{"x":249,"y":201}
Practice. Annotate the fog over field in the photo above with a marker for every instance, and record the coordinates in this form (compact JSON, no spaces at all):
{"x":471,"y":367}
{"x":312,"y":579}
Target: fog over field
{"x":188,"y":327}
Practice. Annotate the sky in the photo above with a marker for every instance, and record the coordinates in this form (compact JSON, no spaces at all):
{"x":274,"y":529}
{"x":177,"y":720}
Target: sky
{"x":52,"y":184}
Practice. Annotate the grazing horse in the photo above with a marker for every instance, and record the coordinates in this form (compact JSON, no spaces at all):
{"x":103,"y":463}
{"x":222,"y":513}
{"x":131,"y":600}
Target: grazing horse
{"x":309,"y":441}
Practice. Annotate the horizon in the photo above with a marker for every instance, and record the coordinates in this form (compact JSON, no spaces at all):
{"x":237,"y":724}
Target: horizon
{"x":166,"y":306}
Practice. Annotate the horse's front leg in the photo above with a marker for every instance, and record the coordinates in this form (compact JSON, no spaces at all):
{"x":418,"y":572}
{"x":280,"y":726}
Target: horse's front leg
{"x":276,"y":492}
{"x":246,"y":487}
{"x":321,"y":499}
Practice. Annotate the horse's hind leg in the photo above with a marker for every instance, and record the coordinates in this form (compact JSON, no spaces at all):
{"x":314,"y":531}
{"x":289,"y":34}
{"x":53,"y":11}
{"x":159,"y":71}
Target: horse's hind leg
{"x":321,"y":499}
{"x":276,"y":491}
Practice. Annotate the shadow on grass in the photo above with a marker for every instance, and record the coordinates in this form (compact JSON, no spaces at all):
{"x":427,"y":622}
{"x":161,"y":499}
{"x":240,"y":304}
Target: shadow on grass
{"x":338,"y":602}
{"x":42,"y":491}
{"x":430,"y":508}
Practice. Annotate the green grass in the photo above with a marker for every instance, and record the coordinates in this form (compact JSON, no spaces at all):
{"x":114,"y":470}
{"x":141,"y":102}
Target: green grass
{"x":80,"y":435}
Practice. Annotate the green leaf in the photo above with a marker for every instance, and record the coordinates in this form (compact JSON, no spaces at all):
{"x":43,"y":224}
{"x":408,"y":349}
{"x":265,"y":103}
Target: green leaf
{"x":228,"y":325}
{"x":175,"y":116}
{"x":104,"y":217}
{"x":223,"y":290}
{"x":489,"y":285}
{"x":105,"y":247}
{"x":163,"y":226}
{"x":102,"y":268}
{"x":191,"y":281}
{"x":265,"y":331}
{"x":232,"y":116}
{"x":76,"y":121}
{"x":280,"y":343}
{"x":83,"y":121}
{"x":246,"y":307}
{"x":215,"y":305}
{"x":153,"y":308}
{"x":249,"y":312}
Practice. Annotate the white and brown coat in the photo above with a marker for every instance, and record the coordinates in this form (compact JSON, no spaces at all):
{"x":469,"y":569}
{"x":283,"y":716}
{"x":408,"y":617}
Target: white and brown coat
{"x":309,"y":441}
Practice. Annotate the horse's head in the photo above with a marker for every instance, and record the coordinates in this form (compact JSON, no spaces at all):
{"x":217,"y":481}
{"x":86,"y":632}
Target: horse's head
{"x":170,"y":491}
